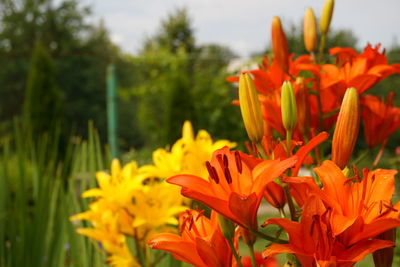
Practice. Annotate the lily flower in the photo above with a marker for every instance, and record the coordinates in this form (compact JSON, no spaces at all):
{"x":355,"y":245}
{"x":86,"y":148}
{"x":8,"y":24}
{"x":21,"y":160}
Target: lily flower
{"x":380,"y":119}
{"x":187,"y":155}
{"x":313,"y":243}
{"x":235,"y":186}
{"x":361,"y":207}
{"x":201,"y":242}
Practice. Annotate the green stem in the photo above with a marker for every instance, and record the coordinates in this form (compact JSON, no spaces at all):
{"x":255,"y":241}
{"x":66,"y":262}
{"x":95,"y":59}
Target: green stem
{"x":252,"y":256}
{"x":379,"y":155}
{"x":267,"y":237}
{"x":321,"y":47}
{"x":361,"y":157}
{"x":290,"y":202}
{"x":288,"y":142}
{"x":235,"y":254}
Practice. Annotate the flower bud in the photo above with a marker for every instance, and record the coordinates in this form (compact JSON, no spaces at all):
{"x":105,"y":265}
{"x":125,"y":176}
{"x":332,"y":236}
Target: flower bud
{"x":288,"y":106}
{"x":227,"y":226}
{"x":326,"y":16}
{"x":384,"y":257}
{"x":310,"y":30}
{"x":250,"y":108}
{"x":275,"y":195}
{"x":347,"y":127}
{"x":279,"y":44}
{"x":303,"y":106}
{"x":247,"y":236}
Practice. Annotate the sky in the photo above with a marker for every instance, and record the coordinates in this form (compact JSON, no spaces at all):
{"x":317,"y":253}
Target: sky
{"x":244,"y":25}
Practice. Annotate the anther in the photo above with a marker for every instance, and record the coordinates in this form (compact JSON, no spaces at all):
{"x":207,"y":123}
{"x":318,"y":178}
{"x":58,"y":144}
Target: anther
{"x":212,"y":172}
{"x":238,"y":161}
{"x":226,"y":164}
{"x":228,"y":176}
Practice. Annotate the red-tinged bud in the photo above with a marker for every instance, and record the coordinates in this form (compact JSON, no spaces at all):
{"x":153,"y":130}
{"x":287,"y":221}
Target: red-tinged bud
{"x":279,"y":44}
{"x":384,"y":257}
{"x":310,"y":30}
{"x":326,"y":16}
{"x":248,"y":237}
{"x":347,"y":126}
{"x":275,"y":195}
{"x":303,"y":106}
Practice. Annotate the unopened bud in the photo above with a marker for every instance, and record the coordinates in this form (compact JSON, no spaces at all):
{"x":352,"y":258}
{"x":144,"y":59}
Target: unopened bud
{"x":310,"y":30}
{"x":384,"y":257}
{"x":326,"y":16}
{"x":303,"y":106}
{"x":288,"y":106}
{"x":247,"y":236}
{"x":347,"y":126}
{"x":227,"y":226}
{"x":279,"y":44}
{"x":275,"y":195}
{"x":250,"y":108}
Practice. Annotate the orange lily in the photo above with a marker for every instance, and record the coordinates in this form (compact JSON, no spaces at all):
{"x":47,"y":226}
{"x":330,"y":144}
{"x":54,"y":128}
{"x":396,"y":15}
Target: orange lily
{"x":313,"y":242}
{"x":380,"y":119}
{"x":360,"y":71}
{"x":362,"y":208}
{"x":236,"y":184}
{"x":201,"y":242}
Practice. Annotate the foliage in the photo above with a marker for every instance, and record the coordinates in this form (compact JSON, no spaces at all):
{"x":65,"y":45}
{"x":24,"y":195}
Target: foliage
{"x":182,"y":81}
{"x":39,"y":193}
{"x":81,"y":52}
{"x":42,"y":96}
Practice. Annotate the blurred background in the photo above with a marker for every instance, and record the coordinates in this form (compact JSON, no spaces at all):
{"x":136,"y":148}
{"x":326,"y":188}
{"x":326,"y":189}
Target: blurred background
{"x":171,"y":59}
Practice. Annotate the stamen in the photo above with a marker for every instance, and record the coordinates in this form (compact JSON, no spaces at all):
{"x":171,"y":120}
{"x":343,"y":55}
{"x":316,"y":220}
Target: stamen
{"x":238,"y":161}
{"x":220,"y":161}
{"x":226,"y":163}
{"x":356,"y":173}
{"x":390,"y":207}
{"x":201,"y":213}
{"x":212,"y":172}
{"x":228,"y":176}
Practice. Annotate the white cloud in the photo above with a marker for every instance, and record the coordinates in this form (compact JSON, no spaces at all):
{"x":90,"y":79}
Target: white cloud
{"x":244,"y":25}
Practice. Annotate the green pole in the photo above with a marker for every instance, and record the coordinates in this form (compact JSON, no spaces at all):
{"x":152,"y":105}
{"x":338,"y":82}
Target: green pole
{"x":112,"y":118}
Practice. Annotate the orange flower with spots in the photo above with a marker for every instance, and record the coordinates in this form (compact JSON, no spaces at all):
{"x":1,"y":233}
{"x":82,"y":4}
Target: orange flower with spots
{"x":361,"y":207}
{"x":200,"y":243}
{"x":236,"y":184}
{"x":313,"y":242}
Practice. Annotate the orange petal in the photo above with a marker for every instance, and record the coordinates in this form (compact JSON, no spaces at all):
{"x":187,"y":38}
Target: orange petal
{"x":186,"y":251}
{"x":245,"y":208}
{"x":192,"y":182}
{"x":361,"y":249}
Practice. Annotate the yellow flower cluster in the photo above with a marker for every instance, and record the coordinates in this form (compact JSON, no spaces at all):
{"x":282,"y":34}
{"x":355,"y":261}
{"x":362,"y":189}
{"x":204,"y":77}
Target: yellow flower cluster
{"x":131,"y":204}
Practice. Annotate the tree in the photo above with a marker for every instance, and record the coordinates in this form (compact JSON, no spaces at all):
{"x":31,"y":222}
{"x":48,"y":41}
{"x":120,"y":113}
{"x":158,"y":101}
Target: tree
{"x":81,"y":52}
{"x":184,"y":81}
{"x":42,"y":103}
